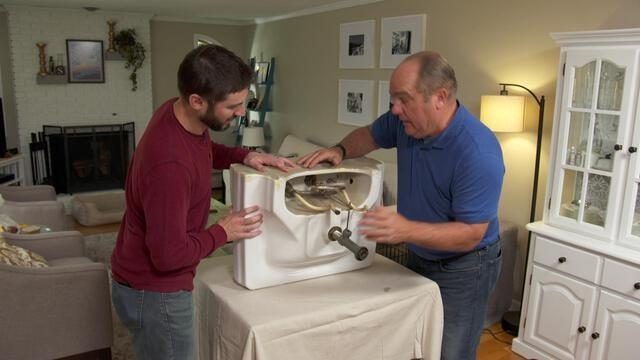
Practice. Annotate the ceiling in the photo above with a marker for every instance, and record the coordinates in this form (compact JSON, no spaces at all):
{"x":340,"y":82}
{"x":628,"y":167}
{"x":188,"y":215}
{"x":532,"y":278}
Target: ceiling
{"x":203,"y":10}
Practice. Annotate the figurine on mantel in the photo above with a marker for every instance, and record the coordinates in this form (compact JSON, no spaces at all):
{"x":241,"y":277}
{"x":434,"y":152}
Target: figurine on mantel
{"x":59,"y":66}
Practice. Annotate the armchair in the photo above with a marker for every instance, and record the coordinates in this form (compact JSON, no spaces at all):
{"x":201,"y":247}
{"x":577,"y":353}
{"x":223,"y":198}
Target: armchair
{"x":58,"y":311}
{"x":35,"y":205}
{"x":28,"y":193}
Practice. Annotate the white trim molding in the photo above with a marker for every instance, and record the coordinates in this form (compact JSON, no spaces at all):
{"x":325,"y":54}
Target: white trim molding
{"x":316,"y":10}
{"x":196,"y":20}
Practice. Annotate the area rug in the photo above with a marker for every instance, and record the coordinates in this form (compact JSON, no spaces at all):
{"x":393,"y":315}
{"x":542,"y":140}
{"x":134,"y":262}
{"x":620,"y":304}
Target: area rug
{"x":98,"y":248}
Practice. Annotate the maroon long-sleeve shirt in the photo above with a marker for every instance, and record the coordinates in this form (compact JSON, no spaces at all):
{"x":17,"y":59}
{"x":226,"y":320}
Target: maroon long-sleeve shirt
{"x":168,"y":189}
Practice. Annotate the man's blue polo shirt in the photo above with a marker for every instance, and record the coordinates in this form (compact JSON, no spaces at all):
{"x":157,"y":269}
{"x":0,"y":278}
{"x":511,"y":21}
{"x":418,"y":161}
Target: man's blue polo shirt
{"x":455,"y":176}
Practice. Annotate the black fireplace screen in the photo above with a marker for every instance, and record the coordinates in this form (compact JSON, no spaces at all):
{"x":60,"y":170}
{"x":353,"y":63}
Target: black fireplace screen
{"x":89,"y":158}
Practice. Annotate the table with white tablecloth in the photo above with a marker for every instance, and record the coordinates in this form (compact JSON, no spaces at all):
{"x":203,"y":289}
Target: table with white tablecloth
{"x":384,"y":311}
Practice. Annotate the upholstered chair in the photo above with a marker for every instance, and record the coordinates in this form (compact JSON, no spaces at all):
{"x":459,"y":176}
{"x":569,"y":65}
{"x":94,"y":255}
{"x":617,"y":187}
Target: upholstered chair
{"x":35,"y":205}
{"x":56,"y":311}
{"x":28,"y":193}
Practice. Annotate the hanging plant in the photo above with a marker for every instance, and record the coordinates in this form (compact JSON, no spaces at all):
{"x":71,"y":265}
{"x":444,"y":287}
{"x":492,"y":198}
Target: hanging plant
{"x":132,"y":51}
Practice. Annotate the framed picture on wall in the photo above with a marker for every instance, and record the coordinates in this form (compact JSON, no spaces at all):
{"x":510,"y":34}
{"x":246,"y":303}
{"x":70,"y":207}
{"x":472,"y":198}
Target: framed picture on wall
{"x":400,"y":37}
{"x":355,"y":102}
{"x":356,"y":45}
{"x":384,"y":99}
{"x":85,"y":61}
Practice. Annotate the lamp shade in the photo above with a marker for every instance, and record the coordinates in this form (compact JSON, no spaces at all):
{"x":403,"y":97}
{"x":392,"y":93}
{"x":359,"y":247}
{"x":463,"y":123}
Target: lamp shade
{"x":502,"y":113}
{"x":253,"y":137}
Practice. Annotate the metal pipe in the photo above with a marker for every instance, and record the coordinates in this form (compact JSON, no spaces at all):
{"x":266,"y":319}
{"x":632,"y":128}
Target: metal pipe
{"x":343,"y":238}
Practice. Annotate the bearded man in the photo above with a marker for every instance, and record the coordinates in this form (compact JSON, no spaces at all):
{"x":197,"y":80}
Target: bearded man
{"x":163,"y":235}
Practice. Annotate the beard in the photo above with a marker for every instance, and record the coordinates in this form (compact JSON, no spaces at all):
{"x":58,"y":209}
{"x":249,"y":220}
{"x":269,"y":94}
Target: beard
{"x":214,"y":122}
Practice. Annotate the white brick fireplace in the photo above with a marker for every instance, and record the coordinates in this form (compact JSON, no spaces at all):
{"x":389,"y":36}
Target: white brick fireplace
{"x":111,"y":102}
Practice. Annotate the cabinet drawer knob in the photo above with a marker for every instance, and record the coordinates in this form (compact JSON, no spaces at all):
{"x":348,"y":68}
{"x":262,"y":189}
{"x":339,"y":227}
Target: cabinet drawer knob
{"x":617,"y":147}
{"x":595,"y":335}
{"x":632,"y":149}
{"x":562,"y":259}
{"x":636,"y":286}
{"x":582,"y":329}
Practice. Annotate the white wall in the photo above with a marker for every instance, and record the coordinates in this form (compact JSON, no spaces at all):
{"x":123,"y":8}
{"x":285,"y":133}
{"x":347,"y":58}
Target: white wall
{"x":111,"y":102}
{"x":171,"y":41}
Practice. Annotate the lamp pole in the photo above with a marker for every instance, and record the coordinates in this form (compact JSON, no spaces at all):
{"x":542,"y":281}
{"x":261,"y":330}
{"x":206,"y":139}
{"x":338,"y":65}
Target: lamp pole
{"x":536,"y":173}
{"x":511,"y":320}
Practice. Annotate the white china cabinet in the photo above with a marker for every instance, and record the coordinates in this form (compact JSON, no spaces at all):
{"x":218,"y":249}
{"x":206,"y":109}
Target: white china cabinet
{"x":582,"y":288}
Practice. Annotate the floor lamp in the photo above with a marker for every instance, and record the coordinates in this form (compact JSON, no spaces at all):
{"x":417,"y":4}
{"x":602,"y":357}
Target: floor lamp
{"x":505,"y":113}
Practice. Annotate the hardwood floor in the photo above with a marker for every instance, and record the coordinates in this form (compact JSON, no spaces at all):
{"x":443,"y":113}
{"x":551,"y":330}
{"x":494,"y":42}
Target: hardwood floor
{"x":99,"y":229}
{"x":496,"y":346}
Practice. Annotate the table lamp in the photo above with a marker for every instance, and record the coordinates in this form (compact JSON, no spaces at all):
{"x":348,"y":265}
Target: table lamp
{"x":253,"y":137}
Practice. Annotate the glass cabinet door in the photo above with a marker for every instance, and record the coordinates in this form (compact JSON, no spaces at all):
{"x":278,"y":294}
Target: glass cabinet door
{"x":633,"y":228}
{"x":594,"y":122}
{"x":630,"y":230}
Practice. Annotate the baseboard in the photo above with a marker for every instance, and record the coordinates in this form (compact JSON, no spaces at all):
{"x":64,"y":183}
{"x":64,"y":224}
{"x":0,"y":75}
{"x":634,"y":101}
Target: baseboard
{"x":528,"y":352}
{"x":100,"y":354}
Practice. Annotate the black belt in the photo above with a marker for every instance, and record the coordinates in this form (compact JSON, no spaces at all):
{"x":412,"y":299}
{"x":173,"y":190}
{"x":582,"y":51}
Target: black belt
{"x":456,"y":257}
{"x":123,"y":284}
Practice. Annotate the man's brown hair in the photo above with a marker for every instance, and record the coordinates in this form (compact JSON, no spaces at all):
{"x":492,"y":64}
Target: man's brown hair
{"x":213,"y":72}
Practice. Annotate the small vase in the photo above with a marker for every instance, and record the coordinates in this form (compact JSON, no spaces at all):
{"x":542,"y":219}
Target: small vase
{"x":43,"y":67}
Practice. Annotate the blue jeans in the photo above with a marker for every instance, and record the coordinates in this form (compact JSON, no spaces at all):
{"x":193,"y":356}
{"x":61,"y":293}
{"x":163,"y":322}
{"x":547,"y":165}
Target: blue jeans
{"x":161,"y":323}
{"x":465,"y":285}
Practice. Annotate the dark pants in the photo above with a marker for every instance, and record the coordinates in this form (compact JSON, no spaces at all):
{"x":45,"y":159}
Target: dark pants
{"x":465,"y":285}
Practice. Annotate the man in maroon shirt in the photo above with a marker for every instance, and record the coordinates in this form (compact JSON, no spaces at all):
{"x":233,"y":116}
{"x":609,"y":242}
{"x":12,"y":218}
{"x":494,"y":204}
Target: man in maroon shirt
{"x":168,"y":190}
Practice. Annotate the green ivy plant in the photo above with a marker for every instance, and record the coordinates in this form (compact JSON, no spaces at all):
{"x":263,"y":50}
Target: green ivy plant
{"x":132,"y":51}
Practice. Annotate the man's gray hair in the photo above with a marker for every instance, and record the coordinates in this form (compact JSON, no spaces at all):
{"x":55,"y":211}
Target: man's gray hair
{"x":435,"y":73}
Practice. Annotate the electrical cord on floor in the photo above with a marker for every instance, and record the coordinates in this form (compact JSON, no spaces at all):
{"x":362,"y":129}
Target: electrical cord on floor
{"x":493,"y":334}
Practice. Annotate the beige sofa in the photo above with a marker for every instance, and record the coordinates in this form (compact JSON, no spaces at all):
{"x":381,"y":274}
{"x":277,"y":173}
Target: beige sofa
{"x":57,"y":311}
{"x":28,"y":193}
{"x":35,"y":205}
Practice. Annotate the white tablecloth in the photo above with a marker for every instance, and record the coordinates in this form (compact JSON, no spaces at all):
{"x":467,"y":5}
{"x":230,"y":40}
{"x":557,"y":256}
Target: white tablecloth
{"x":382,"y":312}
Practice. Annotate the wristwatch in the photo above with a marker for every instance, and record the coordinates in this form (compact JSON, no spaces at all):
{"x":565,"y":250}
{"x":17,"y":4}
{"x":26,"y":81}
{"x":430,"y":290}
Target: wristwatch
{"x":342,"y":148}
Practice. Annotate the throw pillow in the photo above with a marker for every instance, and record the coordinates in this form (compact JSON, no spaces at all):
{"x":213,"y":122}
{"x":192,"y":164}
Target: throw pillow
{"x":17,"y":256}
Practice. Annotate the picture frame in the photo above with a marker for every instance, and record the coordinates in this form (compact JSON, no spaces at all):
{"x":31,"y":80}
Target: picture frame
{"x":384,"y":98}
{"x":262,"y":71}
{"x":85,"y":61}
{"x":400,"y":37}
{"x":355,"y":102}
{"x":356,"y":45}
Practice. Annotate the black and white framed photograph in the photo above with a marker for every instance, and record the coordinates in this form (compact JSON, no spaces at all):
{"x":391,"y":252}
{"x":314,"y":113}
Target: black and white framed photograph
{"x":262,"y":72}
{"x":384,"y":99}
{"x":85,"y":61}
{"x":400,"y":37}
{"x":401,"y":42}
{"x":355,"y":102}
{"x":356,"y":45}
